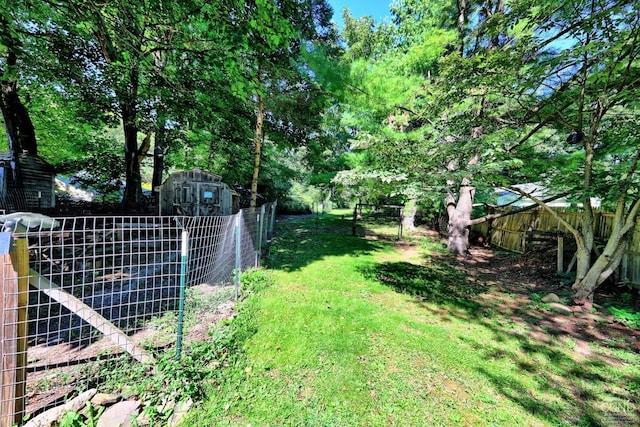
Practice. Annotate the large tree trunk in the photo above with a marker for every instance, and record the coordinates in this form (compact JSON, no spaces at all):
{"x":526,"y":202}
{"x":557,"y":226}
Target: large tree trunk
{"x":132,"y":200}
{"x":584,"y":243}
{"x":459,"y":221}
{"x":258,"y":152}
{"x":21,"y":135}
{"x":12,"y":140}
{"x":409,"y":214}
{"x":583,"y":261}
{"x":606,"y":264}
{"x":17,"y":121}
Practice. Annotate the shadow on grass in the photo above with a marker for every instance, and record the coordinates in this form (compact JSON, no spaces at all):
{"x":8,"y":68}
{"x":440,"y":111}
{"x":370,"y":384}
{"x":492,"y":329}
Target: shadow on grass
{"x":594,"y":387}
{"x":440,"y":284}
{"x":566,"y":391}
{"x":561,"y":376}
{"x":548,"y":379}
{"x":300,"y":241}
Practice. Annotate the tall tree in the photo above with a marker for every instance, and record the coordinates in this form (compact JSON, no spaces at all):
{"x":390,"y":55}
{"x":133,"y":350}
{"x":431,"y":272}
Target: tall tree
{"x":277,"y":33}
{"x":17,"y":121}
{"x":589,"y":88}
{"x":389,"y":91}
{"x":530,"y":76}
{"x":128,"y":46}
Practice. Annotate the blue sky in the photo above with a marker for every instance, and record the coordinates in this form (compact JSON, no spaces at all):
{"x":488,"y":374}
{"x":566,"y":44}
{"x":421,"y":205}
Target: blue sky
{"x":377,"y":9}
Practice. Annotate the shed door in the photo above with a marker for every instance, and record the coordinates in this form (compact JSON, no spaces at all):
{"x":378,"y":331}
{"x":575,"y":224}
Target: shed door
{"x":196,"y":198}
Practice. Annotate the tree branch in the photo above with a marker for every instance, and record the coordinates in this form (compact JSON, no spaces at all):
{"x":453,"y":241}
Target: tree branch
{"x":513,"y":212}
{"x":541,"y":203}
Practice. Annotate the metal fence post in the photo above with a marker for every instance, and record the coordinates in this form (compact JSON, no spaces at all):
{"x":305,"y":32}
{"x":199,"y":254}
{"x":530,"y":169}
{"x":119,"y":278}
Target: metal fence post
{"x":272,"y":225}
{"x":183,"y":282}
{"x":236,"y":273}
{"x":260,"y":221}
{"x":263,"y":228}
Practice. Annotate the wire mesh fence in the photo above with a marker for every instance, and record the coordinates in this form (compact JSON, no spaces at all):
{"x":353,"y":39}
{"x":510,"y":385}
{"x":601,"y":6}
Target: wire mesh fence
{"x":377,"y":221}
{"x":79,"y":291}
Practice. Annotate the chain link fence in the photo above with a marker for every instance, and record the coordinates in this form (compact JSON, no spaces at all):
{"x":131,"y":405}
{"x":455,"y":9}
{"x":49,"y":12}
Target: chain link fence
{"x":82,"y":290}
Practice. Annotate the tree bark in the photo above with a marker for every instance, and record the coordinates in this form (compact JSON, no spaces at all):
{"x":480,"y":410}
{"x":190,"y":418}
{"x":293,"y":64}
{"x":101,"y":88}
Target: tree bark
{"x":611,"y":256}
{"x":19,"y":128}
{"x":459,"y":220}
{"x":409,"y":214}
{"x":158,"y":159}
{"x":17,"y":121}
{"x":127,"y":96}
{"x":15,"y":114}
{"x":461,"y":22}
{"x":258,"y":152}
{"x":132,"y":200}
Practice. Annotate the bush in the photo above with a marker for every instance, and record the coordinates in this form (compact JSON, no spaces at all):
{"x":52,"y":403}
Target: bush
{"x":293,"y":207}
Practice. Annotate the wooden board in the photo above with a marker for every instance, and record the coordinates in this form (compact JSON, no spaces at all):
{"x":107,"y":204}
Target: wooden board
{"x":89,"y":315}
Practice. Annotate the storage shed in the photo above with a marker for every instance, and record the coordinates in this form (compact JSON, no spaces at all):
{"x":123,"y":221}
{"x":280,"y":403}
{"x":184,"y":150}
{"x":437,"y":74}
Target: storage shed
{"x":195,"y":193}
{"x":38,"y":178}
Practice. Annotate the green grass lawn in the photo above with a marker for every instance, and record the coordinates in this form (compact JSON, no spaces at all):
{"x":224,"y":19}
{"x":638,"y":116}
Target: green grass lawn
{"x":343,"y":331}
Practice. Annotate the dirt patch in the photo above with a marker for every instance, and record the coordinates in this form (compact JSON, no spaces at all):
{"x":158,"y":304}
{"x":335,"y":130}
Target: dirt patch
{"x":516,"y":282}
{"x":55,"y":371}
{"x":520,"y":280}
{"x":208,"y":318}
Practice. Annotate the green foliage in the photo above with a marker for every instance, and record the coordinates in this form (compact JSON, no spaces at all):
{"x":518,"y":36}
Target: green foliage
{"x":74,"y":419}
{"x":364,"y":40}
{"x":254,"y":282}
{"x":626,"y":315}
{"x":186,"y":72}
{"x":499,"y":112}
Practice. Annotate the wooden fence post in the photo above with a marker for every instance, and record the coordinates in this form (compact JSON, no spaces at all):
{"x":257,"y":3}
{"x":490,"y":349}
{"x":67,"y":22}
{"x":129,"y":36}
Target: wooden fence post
{"x":560,"y":256}
{"x":13,"y":328}
{"x":355,"y":216}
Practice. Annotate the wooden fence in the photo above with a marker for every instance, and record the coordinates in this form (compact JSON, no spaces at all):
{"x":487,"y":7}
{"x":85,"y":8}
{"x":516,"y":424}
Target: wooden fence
{"x":521,"y":231}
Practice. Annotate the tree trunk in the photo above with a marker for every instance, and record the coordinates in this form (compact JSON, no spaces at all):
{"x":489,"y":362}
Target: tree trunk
{"x":459,"y":220}
{"x":584,"y":244}
{"x":16,"y":116}
{"x":461,"y":22}
{"x":601,"y":270}
{"x":609,"y":260}
{"x":258,"y":152}
{"x":16,"y":176}
{"x":19,"y":128}
{"x":409,"y":214}
{"x":18,"y":122}
{"x":158,"y":168}
{"x":158,"y":155}
{"x":132,"y":200}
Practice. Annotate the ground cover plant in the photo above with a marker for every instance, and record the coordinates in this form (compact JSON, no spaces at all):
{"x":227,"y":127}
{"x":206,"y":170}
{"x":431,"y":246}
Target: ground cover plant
{"x":176,"y":379}
{"x":356,"y":331}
